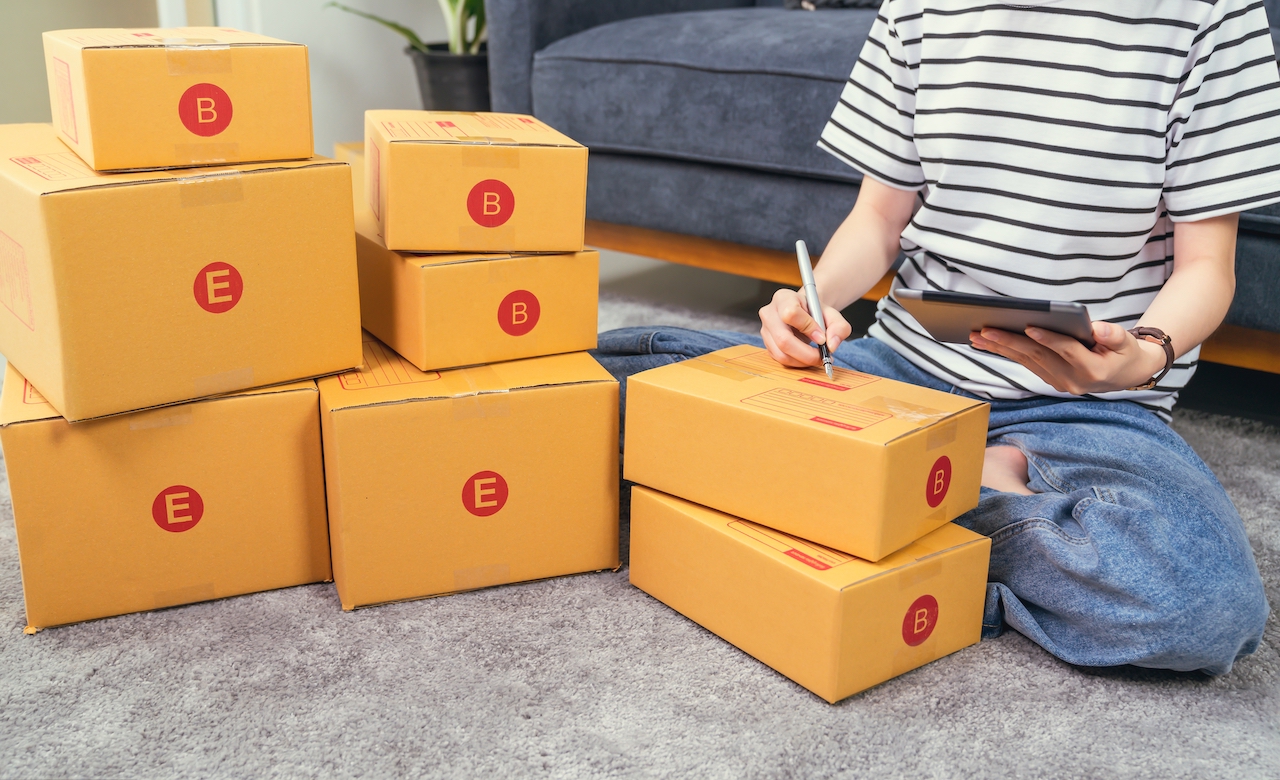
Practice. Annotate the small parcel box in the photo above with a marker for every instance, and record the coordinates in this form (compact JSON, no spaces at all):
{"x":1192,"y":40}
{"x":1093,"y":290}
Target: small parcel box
{"x":449,"y":310}
{"x":164,"y":507}
{"x":178,"y":98}
{"x":860,"y":463}
{"x":126,"y":291}
{"x":831,"y":622}
{"x":459,"y":182}
{"x":448,"y":481}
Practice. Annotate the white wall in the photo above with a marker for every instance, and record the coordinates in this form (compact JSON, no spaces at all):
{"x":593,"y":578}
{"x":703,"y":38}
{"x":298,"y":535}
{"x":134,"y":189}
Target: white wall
{"x":355,"y":63}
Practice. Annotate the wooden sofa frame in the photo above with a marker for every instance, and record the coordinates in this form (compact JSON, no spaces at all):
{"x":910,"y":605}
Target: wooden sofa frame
{"x":1229,"y":345}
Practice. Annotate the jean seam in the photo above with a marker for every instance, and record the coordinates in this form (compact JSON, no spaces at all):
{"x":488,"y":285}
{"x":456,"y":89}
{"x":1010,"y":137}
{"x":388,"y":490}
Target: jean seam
{"x":1032,"y":523}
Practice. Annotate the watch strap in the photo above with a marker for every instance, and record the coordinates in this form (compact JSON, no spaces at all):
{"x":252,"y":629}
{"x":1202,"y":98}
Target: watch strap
{"x":1156,"y":336}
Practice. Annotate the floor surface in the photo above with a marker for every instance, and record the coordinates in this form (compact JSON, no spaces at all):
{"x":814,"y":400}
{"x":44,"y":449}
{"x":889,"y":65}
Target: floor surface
{"x":587,"y":677}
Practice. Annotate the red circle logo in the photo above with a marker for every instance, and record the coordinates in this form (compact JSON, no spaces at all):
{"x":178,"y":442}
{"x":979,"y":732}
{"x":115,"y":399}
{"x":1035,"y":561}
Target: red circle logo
{"x":485,"y":493}
{"x":491,"y":203}
{"x":178,"y":508}
{"x":218,"y":287}
{"x":518,"y":313}
{"x":919,"y":621}
{"x":939,"y":480}
{"x":205,"y":109}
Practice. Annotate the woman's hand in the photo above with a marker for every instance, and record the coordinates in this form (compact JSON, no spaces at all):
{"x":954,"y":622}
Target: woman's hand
{"x":787,"y":329}
{"x":1117,"y":362}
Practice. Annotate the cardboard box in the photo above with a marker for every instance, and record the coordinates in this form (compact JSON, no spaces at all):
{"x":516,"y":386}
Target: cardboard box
{"x":126,"y":291}
{"x":449,"y":481}
{"x":862,"y":464}
{"x":164,"y":507}
{"x":352,"y":153}
{"x":448,"y":310}
{"x":452,"y":182}
{"x":831,"y":622}
{"x":178,"y":98}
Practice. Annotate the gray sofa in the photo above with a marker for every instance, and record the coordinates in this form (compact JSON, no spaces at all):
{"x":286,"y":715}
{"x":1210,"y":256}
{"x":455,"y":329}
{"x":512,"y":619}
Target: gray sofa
{"x":702,"y":118}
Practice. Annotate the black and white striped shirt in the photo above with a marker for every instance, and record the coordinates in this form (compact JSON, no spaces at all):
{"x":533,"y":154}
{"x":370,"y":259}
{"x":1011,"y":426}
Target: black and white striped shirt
{"x":1053,"y":144}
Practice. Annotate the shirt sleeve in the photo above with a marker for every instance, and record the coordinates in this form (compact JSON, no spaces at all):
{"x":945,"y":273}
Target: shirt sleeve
{"x":1223,"y":139}
{"x":872,"y":127}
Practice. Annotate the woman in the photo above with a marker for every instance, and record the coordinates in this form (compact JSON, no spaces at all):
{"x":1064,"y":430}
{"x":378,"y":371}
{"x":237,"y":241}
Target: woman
{"x":1069,"y":150}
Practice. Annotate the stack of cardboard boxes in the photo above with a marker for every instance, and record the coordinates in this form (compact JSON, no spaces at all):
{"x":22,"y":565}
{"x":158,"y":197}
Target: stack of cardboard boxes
{"x":161,"y":449}
{"x":479,"y":445}
{"x":811,"y":527}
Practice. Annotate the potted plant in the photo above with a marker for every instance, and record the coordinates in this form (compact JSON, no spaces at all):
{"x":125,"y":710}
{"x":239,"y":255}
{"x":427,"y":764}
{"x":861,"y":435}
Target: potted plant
{"x":452,"y":76}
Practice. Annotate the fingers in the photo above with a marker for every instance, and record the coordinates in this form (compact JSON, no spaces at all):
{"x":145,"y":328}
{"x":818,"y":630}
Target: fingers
{"x":838,"y":328}
{"x":793,"y":311}
{"x":1069,"y":349}
{"x":1111,"y":336}
{"x":779,"y":321}
{"x":1042,"y":361}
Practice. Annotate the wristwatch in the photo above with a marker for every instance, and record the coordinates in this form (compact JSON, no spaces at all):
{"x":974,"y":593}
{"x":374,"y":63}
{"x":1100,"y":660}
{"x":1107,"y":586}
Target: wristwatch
{"x":1155,"y":336}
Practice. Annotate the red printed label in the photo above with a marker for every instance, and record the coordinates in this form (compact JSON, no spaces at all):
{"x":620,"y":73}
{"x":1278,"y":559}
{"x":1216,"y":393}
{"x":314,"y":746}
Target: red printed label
{"x":218,"y":287}
{"x":66,"y":103}
{"x":205,"y":109}
{"x":518,"y":313}
{"x":939,"y":480}
{"x":491,"y":203}
{"x":919,"y":621}
{"x":827,"y":385}
{"x":485,"y":493}
{"x":178,"y":508}
{"x":15,"y":285}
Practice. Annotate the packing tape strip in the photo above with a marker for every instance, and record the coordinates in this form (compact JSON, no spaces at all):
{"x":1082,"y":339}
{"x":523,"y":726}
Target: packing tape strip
{"x":941,"y":436}
{"x":719,"y":369}
{"x":908,"y":658}
{"x":496,"y":239}
{"x":160,"y":419}
{"x":921,"y":572}
{"x":197,"y":191}
{"x":905,"y":410}
{"x":481,"y":576}
{"x":197,"y":56}
{"x":489,"y":156}
{"x":486,"y":398}
{"x":188,"y":595}
{"x":237,"y":379}
{"x":206,"y":154}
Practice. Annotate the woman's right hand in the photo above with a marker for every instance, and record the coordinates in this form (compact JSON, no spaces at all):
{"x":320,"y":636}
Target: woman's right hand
{"x":787,"y":329}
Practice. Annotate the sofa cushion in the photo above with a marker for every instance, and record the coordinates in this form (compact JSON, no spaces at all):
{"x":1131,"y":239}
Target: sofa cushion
{"x":746,"y":87}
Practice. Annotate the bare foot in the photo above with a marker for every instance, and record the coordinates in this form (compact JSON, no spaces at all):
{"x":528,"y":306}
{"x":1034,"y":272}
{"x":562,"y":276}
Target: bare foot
{"x":1004,"y":468}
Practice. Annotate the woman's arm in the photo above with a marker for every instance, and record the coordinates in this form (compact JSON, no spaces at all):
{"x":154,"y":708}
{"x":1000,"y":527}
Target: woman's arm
{"x":858,"y":255}
{"x":1188,"y":308}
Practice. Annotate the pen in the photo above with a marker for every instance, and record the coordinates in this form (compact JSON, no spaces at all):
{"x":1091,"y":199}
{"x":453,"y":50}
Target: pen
{"x":815,"y":306}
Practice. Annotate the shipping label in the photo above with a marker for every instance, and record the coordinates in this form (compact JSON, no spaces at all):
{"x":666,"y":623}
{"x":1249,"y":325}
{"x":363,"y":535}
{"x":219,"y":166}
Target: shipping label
{"x":815,"y":408}
{"x":383,"y":368}
{"x":808,"y":553}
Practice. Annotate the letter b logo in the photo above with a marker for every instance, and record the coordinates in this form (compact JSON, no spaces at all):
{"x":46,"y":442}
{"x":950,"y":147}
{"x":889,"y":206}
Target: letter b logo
{"x":205,"y":109}
{"x":939,"y":481}
{"x":218,"y":287}
{"x":920,"y":620}
{"x":484,"y":493}
{"x":177,"y":508}
{"x":491,"y":203}
{"x":518,"y":313}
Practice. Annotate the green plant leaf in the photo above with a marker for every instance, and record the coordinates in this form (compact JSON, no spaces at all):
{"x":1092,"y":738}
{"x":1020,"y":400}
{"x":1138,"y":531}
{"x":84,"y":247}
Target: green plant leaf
{"x":410,"y":35}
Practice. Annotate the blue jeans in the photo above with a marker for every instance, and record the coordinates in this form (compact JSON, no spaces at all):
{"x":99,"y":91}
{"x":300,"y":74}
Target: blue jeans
{"x":1129,"y":552}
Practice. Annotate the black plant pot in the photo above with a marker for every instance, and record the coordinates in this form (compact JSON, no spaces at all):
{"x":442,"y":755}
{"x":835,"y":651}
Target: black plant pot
{"x":452,"y":82}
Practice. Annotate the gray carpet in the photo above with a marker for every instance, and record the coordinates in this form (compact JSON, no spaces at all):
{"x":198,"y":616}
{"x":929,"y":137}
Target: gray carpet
{"x":585,"y":677}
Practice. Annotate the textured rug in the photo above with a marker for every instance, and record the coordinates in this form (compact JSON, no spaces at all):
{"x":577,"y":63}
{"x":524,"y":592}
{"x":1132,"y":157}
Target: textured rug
{"x":586,"y":677}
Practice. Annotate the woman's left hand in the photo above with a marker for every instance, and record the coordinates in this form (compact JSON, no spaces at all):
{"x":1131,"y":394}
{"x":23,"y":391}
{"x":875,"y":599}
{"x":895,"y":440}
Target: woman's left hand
{"x":1118,"y":361}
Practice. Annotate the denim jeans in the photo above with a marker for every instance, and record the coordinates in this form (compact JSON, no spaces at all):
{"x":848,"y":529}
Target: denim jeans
{"x":1129,"y":552}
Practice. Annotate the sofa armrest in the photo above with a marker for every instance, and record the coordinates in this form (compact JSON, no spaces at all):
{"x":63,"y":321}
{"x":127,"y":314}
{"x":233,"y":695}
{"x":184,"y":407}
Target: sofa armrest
{"x":519,"y":28}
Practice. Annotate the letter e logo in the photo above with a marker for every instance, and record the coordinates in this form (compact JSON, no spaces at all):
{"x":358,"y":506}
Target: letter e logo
{"x":518,"y":313}
{"x":919,"y":621}
{"x":177,"y":508}
{"x":218,"y":287}
{"x":939,"y":480}
{"x":205,"y":109}
{"x":484,"y":493}
{"x":491,"y":203}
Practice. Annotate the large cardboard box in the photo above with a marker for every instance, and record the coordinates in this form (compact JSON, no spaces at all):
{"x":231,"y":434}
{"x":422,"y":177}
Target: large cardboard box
{"x":831,"y":622}
{"x":448,"y":310}
{"x":352,"y":153}
{"x":126,"y":291}
{"x":863,"y":464}
{"x":178,"y":98}
{"x":164,"y":507}
{"x":449,"y":481}
{"x":454,"y":182}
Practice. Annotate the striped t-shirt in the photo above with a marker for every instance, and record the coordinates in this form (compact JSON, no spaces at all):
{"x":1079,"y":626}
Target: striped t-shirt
{"x":1053,"y":144}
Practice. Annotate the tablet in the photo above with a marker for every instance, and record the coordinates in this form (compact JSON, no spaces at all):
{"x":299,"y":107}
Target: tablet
{"x":952,"y":316}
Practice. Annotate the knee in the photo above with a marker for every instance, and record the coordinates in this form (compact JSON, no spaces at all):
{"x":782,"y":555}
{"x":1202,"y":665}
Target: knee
{"x":1215,"y":616}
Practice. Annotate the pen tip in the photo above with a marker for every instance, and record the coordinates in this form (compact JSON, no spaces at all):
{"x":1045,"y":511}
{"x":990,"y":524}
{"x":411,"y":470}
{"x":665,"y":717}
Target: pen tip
{"x":830,"y":373}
